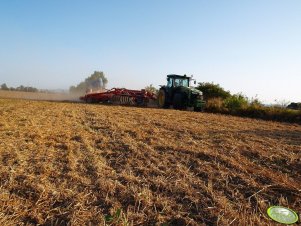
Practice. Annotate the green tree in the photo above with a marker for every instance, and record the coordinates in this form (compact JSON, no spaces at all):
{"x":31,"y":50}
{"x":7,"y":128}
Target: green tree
{"x":25,"y":89}
{"x":211,"y":90}
{"x":20,"y":88}
{"x":95,"y":81}
{"x":4,"y":87}
{"x":151,"y":89}
{"x":31,"y":89}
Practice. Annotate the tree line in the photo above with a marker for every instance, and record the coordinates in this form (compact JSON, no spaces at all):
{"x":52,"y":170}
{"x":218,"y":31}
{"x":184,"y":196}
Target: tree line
{"x":19,"y":88}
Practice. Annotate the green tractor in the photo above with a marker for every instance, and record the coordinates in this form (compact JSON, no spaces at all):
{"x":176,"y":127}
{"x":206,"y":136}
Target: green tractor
{"x":180,"y":94}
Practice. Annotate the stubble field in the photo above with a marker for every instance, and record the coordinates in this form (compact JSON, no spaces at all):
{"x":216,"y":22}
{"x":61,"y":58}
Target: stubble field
{"x":79,"y":164}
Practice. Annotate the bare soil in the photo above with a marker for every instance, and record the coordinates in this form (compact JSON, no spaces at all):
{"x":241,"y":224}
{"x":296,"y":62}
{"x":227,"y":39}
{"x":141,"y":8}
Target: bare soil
{"x":80,"y":164}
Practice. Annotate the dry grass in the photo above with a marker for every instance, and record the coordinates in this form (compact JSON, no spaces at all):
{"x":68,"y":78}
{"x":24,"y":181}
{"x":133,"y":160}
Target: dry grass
{"x":79,"y":164}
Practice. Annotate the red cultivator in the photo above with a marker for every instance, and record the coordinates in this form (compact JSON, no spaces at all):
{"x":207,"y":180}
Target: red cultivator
{"x":120,"y":96}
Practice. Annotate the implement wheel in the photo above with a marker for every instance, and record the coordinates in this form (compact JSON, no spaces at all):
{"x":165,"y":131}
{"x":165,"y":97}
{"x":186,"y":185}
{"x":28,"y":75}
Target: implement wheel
{"x":162,"y":99}
{"x":89,"y":100}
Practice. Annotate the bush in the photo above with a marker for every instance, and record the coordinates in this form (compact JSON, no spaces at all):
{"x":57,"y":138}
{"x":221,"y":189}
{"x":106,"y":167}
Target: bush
{"x":215,"y":105}
{"x":282,"y":114}
{"x":295,"y":106}
{"x":270,"y":113}
{"x":254,"y":111}
{"x":236,"y":102}
{"x":220,"y":101}
{"x":211,"y":90}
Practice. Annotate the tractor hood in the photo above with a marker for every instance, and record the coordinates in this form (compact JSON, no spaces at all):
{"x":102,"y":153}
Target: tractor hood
{"x":195,"y":91}
{"x":191,"y":90}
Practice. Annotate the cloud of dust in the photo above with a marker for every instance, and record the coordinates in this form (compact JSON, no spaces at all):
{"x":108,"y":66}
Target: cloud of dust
{"x":51,"y":96}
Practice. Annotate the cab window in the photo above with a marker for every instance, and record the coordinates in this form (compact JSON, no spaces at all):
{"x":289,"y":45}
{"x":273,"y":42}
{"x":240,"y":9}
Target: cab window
{"x":181,"y":82}
{"x":169,"y":82}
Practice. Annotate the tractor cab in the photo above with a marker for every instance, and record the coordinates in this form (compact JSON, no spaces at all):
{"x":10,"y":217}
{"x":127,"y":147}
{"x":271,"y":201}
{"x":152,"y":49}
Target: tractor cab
{"x":178,"y":80}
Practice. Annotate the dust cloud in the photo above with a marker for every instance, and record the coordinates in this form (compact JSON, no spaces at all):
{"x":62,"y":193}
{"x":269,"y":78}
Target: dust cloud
{"x":74,"y":97}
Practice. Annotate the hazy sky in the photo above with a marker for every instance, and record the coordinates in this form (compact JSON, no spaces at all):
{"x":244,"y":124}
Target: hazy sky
{"x":248,"y":46}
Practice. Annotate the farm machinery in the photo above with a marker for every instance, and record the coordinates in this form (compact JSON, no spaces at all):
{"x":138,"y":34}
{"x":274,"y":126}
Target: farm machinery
{"x":180,"y":94}
{"x":120,"y":96}
{"x":177,"y":93}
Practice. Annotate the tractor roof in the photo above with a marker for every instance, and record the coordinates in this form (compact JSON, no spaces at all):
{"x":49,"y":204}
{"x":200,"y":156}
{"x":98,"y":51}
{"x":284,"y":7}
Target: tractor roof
{"x":177,"y":76}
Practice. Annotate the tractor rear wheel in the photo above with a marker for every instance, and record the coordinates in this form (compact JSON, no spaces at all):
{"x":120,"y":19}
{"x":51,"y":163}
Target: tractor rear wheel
{"x":162,"y":99}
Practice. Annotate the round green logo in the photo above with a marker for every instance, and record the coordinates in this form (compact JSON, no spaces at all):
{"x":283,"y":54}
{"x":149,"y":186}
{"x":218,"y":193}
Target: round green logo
{"x":282,"y":215}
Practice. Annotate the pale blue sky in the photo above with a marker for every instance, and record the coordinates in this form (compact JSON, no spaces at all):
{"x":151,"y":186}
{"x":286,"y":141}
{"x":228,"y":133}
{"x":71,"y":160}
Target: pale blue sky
{"x":248,"y":46}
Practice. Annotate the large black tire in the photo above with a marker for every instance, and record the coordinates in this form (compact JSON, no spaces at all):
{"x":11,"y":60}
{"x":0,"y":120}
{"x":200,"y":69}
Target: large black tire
{"x":198,"y":109}
{"x":162,"y":99}
{"x":179,"y":101}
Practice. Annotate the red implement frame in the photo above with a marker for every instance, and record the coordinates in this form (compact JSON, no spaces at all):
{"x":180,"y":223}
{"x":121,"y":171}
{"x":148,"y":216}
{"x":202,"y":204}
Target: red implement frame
{"x":120,"y":96}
